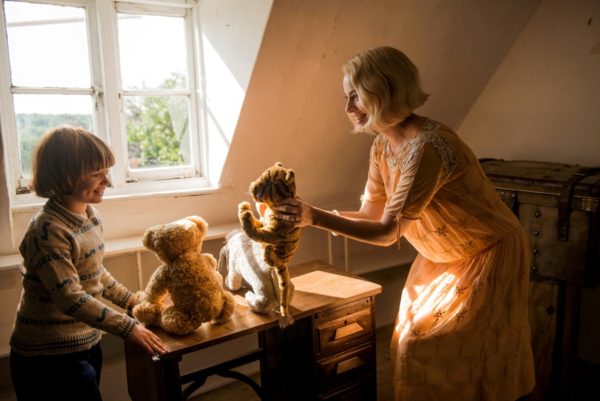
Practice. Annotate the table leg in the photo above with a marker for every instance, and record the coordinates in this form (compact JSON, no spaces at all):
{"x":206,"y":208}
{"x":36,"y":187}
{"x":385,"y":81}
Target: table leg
{"x":151,"y":379}
{"x":286,"y":370}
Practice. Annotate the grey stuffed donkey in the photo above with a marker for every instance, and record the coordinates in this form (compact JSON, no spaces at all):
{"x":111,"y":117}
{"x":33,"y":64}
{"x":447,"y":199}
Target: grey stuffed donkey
{"x":242,"y":266}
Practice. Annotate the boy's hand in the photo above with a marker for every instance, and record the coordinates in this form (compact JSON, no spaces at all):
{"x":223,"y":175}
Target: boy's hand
{"x":148,"y":340}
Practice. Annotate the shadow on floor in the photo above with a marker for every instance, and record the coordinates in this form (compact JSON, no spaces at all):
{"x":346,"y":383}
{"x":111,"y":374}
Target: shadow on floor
{"x":585,"y":389}
{"x":241,"y":391}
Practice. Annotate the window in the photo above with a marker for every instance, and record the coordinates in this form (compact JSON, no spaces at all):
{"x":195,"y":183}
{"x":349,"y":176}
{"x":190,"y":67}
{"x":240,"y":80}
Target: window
{"x":127,"y":71}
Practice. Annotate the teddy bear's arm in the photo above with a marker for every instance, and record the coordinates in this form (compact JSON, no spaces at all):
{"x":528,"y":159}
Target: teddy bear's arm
{"x":157,"y":286}
{"x":253,"y":227}
{"x":209,"y":259}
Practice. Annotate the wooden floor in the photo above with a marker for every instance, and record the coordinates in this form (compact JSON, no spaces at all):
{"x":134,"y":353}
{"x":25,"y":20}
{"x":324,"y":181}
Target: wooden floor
{"x":586,"y":387}
{"x":240,"y":391}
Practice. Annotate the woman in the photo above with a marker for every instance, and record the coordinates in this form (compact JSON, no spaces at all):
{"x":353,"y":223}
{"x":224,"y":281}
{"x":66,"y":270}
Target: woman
{"x":462,"y":330}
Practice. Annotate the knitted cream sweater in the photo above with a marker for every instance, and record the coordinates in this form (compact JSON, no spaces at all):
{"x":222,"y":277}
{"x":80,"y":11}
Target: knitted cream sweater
{"x":63,"y":279}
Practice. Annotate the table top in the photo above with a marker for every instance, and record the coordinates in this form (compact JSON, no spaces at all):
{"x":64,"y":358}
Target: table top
{"x":318,"y":286}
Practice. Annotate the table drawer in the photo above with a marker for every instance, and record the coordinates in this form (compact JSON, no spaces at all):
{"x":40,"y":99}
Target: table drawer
{"x":331,"y":335}
{"x":343,"y":310}
{"x":344,"y":368}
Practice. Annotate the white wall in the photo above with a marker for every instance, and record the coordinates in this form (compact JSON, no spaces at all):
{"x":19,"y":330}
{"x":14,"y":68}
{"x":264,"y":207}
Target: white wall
{"x":543,"y":104}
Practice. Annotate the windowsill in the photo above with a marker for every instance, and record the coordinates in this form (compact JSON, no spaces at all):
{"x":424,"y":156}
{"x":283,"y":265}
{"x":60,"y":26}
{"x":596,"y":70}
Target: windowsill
{"x":122,"y":245}
{"x":28,"y":203}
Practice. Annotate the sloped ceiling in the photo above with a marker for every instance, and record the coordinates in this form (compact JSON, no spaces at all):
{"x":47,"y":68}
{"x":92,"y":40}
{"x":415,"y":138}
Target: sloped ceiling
{"x":293,"y":110}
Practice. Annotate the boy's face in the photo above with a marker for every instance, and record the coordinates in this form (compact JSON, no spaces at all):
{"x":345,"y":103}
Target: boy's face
{"x":89,"y":189}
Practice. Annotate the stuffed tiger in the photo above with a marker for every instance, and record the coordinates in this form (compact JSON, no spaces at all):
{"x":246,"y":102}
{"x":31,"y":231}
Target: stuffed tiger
{"x":280,"y":238}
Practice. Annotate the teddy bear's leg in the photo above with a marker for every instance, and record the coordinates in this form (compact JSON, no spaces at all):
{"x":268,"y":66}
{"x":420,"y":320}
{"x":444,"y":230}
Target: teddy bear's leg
{"x":284,"y":282}
{"x":176,"y":322}
{"x":227,"y":309}
{"x":147,"y":313}
{"x":284,"y":285}
{"x":259,"y":303}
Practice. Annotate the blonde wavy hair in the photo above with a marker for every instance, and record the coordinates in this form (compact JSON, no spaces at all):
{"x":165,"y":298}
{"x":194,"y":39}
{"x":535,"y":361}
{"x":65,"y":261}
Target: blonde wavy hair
{"x":387,"y":84}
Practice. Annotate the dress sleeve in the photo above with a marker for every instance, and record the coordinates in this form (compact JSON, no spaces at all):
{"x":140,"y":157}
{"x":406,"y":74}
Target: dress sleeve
{"x":422,"y":174}
{"x":375,"y":188}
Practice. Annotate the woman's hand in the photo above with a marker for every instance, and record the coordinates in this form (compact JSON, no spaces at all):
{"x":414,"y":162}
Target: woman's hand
{"x":147,"y":340}
{"x":294,"y":210}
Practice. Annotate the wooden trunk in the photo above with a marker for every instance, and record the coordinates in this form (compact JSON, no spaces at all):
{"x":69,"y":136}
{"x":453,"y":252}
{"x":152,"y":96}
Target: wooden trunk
{"x":543,"y":304}
{"x":557,"y":205}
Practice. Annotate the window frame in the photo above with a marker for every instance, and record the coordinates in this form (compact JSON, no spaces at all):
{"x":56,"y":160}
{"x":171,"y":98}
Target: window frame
{"x":107,"y":96}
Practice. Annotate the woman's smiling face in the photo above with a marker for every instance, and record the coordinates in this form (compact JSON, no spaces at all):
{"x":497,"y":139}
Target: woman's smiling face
{"x":354,"y":109}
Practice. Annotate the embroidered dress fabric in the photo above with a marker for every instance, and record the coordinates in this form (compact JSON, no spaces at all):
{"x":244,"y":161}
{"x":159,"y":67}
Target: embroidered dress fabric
{"x":462,"y":330}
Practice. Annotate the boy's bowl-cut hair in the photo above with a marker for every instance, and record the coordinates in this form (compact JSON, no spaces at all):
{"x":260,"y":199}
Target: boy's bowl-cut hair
{"x":63,"y":156}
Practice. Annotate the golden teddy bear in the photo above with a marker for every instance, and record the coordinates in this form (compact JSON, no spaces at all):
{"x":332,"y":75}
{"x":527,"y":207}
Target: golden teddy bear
{"x":187,"y":275}
{"x":280,"y":238}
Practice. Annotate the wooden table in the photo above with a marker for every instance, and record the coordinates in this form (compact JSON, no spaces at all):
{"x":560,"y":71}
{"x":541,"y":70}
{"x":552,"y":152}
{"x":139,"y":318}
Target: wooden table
{"x":328,"y":353}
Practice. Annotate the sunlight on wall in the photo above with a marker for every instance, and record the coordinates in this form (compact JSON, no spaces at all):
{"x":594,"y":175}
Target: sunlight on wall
{"x":232,"y":33}
{"x":224,"y":98}
{"x":224,"y":94}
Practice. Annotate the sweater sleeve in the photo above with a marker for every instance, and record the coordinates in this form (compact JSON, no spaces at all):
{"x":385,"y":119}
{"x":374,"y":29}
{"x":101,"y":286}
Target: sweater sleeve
{"x":114,"y":291}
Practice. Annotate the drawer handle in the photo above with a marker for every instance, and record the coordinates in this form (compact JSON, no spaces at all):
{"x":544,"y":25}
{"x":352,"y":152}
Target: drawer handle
{"x":345,"y":366}
{"x":347,"y":331}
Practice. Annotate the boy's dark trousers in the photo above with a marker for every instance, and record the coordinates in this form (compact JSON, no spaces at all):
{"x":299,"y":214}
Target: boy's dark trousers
{"x":74,"y":376}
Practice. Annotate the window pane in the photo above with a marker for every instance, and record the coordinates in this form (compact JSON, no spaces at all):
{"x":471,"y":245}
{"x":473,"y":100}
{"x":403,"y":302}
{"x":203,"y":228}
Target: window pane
{"x":152,"y":51}
{"x":47,"y":45}
{"x":37,"y":114}
{"x":158,"y":132}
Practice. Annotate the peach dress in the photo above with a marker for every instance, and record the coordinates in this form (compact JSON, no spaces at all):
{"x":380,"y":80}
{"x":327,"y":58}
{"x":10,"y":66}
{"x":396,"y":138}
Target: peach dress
{"x":462,"y":330}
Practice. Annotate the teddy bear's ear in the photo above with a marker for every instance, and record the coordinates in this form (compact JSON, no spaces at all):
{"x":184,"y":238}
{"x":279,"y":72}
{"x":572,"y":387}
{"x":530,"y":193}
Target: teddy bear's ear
{"x":200,"y":222}
{"x":148,"y":239}
{"x":278,"y":164}
{"x":289,"y":176}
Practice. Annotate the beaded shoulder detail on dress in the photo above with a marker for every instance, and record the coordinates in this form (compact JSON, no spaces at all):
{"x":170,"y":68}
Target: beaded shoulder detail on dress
{"x":430,"y":134}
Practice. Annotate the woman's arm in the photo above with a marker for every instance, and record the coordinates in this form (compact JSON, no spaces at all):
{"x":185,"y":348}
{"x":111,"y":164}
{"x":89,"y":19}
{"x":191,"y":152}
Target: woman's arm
{"x":368,"y":211}
{"x":384,"y":232}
